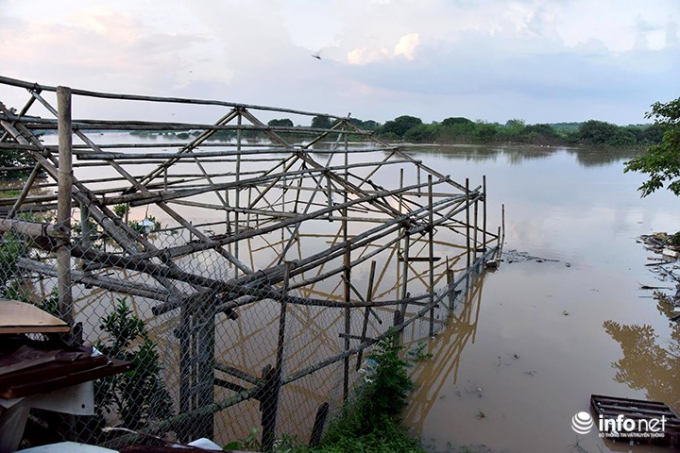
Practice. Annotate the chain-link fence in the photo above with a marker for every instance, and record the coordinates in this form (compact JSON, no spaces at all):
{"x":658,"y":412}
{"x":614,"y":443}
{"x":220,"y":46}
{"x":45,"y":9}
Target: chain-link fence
{"x":244,"y":269}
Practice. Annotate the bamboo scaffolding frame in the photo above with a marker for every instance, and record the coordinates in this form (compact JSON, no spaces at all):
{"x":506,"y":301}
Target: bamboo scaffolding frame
{"x":263,"y":202}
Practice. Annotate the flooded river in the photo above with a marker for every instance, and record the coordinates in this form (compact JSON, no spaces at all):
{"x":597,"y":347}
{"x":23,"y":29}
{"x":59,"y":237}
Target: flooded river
{"x":563,"y":318}
{"x":552,"y":330}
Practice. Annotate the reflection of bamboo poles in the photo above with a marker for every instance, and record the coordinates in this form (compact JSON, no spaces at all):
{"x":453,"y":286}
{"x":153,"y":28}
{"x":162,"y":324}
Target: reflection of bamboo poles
{"x":286,"y":212}
{"x":433,"y":375}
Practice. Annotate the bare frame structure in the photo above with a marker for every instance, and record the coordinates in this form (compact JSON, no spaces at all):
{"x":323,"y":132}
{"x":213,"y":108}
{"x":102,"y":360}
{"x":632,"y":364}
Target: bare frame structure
{"x":307,"y":221}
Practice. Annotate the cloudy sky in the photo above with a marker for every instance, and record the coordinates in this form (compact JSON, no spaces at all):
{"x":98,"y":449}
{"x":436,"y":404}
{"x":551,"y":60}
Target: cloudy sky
{"x":538,"y":60}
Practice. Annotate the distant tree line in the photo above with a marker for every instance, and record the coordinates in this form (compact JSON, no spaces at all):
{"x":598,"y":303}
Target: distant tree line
{"x":463,"y":130}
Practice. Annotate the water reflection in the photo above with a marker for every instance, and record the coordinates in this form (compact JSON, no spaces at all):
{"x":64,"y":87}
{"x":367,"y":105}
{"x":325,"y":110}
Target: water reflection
{"x":516,"y":155}
{"x":650,"y":362}
{"x":598,"y":157}
{"x":433,"y":375}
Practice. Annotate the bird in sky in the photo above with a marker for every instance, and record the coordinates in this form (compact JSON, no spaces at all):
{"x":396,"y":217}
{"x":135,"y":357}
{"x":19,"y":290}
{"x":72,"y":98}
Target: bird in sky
{"x":316,"y":55}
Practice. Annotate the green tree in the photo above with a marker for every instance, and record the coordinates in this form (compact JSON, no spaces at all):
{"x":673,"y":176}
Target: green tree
{"x":661,"y":161}
{"x":485,"y":132}
{"x":285,"y":122}
{"x":597,"y":133}
{"x":321,"y":122}
{"x":366,"y":125}
{"x":400,"y":125}
{"x":452,"y":121}
{"x":514,"y":128}
{"x":422,"y":133}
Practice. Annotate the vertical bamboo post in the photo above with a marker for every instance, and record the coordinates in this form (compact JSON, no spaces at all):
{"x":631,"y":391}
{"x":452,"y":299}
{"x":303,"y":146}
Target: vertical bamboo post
{"x":484,"y":212}
{"x":397,"y":321}
{"x":397,"y":286}
{"x":329,"y":195}
{"x":348,"y":276}
{"x":204,"y":331}
{"x":502,"y":225}
{"x":498,"y":246}
{"x":65,"y":186}
{"x":348,"y":319}
{"x":185,"y":364}
{"x":418,"y":179}
{"x":475,"y":230}
{"x":319,"y":422}
{"x":270,"y":403}
{"x":467,"y":219}
{"x":237,"y":194}
{"x":404,"y":286}
{"x":369,"y":299}
{"x":282,"y":319}
{"x":449,"y":283}
{"x":431,"y":250}
{"x":85,"y":230}
{"x":284,"y":182}
{"x":401,"y":194}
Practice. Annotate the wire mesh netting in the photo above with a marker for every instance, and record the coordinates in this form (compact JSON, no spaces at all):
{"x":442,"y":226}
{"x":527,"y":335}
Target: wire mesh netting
{"x":244,"y":268}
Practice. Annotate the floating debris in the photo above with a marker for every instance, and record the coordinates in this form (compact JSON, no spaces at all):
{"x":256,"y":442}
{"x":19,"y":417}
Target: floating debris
{"x":512,"y":256}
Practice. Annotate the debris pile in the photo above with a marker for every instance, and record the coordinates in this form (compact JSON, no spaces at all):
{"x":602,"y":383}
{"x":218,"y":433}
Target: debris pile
{"x":665,"y":266}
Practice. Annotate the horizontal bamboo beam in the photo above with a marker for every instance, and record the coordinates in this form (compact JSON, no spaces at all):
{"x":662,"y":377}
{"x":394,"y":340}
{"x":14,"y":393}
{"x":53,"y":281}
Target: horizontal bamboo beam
{"x":117,"y":285}
{"x":173,"y":100}
{"x":36,"y":231}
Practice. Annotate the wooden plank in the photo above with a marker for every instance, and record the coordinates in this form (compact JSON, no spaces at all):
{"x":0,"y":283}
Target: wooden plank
{"x":634,"y":410}
{"x":20,"y":317}
{"x":85,"y":374}
{"x":611,"y":399}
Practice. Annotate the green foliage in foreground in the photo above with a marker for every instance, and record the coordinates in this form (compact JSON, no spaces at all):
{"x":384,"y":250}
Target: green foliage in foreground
{"x":661,"y":161}
{"x":138,"y":395}
{"x":369,"y":423}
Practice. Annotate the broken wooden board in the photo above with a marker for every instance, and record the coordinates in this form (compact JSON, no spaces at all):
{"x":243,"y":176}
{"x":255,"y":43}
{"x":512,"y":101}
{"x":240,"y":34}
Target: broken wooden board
{"x":20,"y":317}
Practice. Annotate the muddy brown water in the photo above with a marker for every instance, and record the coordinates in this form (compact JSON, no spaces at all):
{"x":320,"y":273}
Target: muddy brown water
{"x":547,"y":333}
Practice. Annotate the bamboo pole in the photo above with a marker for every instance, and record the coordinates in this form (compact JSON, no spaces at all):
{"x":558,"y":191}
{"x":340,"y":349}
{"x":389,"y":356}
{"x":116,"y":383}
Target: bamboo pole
{"x":237,"y":191}
{"x":467,"y":219}
{"x":270,"y":405}
{"x":475,"y":229}
{"x":348,"y":319}
{"x":484,"y":211}
{"x":502,"y":226}
{"x":25,"y":190}
{"x":65,"y":180}
{"x":174,"y":100}
{"x":431,"y":252}
{"x":369,"y":299}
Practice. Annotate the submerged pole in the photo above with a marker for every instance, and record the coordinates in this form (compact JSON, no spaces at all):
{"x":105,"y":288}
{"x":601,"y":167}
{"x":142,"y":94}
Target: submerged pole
{"x":484,"y":212}
{"x":431,"y":251}
{"x":467,"y":219}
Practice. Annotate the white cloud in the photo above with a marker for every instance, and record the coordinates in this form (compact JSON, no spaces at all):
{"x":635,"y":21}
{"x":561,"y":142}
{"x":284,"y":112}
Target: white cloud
{"x":406,"y":47}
